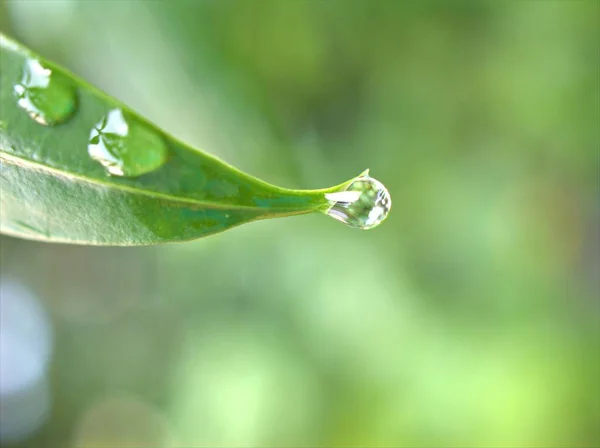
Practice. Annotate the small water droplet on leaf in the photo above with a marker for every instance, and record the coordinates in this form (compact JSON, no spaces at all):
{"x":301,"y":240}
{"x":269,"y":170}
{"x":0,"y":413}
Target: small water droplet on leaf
{"x":125,"y":147}
{"x":46,"y":95}
{"x":364,"y":204}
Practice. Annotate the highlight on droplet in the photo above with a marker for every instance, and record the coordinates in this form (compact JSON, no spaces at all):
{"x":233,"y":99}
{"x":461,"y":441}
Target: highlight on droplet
{"x":125,"y":147}
{"x":47,"y":96}
{"x":364,"y":204}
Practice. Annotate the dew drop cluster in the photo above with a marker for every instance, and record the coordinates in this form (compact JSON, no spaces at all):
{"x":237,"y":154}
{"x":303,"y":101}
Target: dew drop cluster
{"x":119,"y":143}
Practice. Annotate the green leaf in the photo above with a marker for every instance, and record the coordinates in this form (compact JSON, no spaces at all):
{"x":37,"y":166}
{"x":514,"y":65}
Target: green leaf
{"x":80,"y":167}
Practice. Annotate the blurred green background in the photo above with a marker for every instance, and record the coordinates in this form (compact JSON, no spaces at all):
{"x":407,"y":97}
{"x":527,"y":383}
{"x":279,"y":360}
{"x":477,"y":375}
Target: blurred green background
{"x":471,"y":317}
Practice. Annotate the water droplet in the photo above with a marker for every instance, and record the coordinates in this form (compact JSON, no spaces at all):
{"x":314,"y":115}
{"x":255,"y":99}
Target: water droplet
{"x":125,"y":147}
{"x":363,"y":205}
{"x":46,"y":95}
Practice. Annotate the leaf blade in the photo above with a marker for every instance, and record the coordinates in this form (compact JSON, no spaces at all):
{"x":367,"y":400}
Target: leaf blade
{"x":53,"y":191}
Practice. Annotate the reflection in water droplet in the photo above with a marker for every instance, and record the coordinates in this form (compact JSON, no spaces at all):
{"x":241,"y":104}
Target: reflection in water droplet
{"x":124,"y":147}
{"x":46,"y":95}
{"x":363,"y":205}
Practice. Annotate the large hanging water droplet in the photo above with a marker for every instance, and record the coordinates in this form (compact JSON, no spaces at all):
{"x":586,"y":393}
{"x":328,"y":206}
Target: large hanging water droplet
{"x":363,"y":205}
{"x":46,"y":95}
{"x":125,"y":147}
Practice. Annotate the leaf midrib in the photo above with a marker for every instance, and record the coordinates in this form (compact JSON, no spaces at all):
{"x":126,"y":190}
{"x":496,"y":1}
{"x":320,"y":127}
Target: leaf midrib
{"x":25,"y":163}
